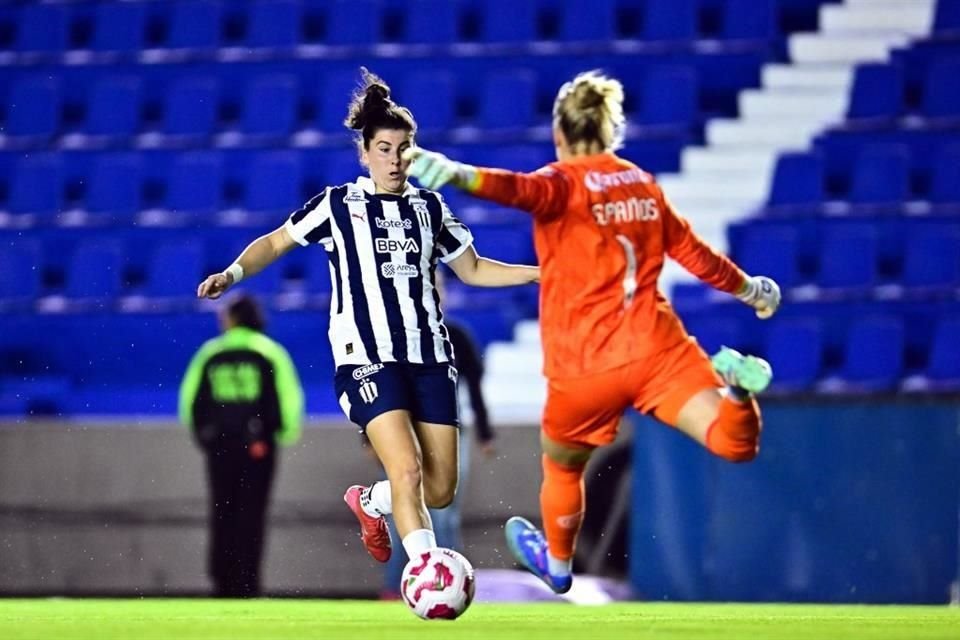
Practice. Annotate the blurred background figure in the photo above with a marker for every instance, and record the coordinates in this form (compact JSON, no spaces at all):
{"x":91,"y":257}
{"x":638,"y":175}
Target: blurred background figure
{"x":241,"y":397}
{"x":448,"y":522}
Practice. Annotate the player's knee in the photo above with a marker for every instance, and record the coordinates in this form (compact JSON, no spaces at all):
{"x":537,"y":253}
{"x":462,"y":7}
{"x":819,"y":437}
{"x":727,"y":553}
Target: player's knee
{"x":407,"y":477}
{"x":438,"y":496}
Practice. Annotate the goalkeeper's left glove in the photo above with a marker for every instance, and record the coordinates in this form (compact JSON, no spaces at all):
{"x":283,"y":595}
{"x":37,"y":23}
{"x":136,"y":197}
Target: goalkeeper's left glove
{"x":433,"y":170}
{"x":761,"y":293}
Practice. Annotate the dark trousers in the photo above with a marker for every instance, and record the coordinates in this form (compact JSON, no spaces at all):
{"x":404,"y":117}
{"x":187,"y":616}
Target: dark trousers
{"x":239,"y":494}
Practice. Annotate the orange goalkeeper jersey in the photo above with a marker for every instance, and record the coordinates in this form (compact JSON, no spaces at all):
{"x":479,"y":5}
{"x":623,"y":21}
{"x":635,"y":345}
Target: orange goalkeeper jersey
{"x":602,"y":228}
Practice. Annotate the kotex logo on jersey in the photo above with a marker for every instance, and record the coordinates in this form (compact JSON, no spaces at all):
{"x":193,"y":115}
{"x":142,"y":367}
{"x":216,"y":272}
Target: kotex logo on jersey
{"x":389,"y":245}
{"x":598,"y":181}
{"x":399,"y":270}
{"x":387,"y":223}
{"x":366,"y":370}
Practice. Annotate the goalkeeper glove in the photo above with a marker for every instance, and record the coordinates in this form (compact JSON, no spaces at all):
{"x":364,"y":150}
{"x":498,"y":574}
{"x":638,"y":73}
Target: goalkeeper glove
{"x":761,"y":293}
{"x":433,"y":170}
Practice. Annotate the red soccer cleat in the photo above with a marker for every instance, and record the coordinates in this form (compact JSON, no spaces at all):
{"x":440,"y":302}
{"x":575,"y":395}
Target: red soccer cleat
{"x":373,"y":531}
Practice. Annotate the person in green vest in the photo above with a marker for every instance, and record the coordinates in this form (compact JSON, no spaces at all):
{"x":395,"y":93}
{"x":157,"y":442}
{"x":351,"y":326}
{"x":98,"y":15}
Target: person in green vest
{"x":241,"y":398}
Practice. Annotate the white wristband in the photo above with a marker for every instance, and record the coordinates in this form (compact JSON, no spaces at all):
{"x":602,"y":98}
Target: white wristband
{"x":236,"y":271}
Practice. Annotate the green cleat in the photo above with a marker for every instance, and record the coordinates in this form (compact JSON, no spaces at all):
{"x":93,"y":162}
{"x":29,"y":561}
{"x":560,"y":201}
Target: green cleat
{"x":749,"y":373}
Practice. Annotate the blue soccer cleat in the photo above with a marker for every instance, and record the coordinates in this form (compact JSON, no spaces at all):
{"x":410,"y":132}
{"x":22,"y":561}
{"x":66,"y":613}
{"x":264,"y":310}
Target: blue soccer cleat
{"x":529,"y":548}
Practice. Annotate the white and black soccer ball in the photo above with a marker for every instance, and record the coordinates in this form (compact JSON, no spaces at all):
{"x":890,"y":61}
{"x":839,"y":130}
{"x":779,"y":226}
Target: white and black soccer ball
{"x":438,"y":584}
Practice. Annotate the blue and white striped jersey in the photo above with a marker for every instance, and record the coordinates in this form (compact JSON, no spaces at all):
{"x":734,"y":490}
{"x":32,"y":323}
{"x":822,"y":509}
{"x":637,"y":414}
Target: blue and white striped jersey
{"x":383,"y":251}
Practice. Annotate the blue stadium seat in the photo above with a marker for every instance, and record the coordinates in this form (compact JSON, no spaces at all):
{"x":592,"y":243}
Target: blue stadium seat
{"x":43,"y":28}
{"x":20,"y":269}
{"x":508,"y":243}
{"x":431,"y":96}
{"x":37,"y":185}
{"x":33,"y":107}
{"x":176,"y":268}
{"x":113,"y":108}
{"x":794,"y":348}
{"x":874,"y":353}
{"x":945,"y":181}
{"x":881,"y":175}
{"x":431,"y":21}
{"x":509,"y":99}
{"x":941,"y":92}
{"x":274,"y":183}
{"x":318,"y":271}
{"x":195,"y":184}
{"x":669,"y":96}
{"x":713,"y":332}
{"x":588,"y":20}
{"x":848,"y":255}
{"x":116,"y":185}
{"x":878,"y":91}
{"x":195,"y":24}
{"x":119,"y":26}
{"x":947,"y":17}
{"x":270,"y":106}
{"x":95,"y":270}
{"x":771,"y":251}
{"x":749,"y":20}
{"x":670,"y":20}
{"x":190,"y":107}
{"x":354,"y":22}
{"x":342,"y":166}
{"x":943,"y":363}
{"x":274,"y":23}
{"x":932,"y":257}
{"x":509,"y":21}
{"x":332,"y":95}
{"x":798,"y":179}
{"x":516,"y":157}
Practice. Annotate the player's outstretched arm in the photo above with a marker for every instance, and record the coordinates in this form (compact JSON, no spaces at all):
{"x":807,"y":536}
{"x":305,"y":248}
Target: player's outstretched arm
{"x":258,"y":255}
{"x":484,"y":272}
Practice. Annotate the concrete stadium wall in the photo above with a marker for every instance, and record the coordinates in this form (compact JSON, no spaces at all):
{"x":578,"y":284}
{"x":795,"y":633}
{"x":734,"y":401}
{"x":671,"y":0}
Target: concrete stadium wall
{"x":120,"y":508}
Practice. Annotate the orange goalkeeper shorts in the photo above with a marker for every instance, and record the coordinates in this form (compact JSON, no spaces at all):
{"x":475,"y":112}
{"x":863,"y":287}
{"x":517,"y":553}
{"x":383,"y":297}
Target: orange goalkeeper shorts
{"x":586,"y":411}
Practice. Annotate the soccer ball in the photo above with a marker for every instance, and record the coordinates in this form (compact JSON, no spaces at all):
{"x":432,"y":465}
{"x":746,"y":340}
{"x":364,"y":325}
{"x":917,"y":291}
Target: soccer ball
{"x":438,"y":584}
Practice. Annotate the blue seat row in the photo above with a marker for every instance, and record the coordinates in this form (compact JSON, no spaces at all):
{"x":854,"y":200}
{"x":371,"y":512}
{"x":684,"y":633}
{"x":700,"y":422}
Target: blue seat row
{"x":880,"y":91}
{"x":207,"y":24}
{"x":920,"y":254}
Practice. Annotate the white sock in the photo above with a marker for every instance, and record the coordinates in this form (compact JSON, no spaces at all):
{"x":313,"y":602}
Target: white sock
{"x":558,"y":567}
{"x":418,"y":541}
{"x":377,"y":500}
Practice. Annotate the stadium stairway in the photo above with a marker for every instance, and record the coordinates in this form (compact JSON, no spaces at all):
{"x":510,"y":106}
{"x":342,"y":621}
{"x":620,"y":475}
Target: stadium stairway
{"x":731,"y":175}
{"x":722,"y":181}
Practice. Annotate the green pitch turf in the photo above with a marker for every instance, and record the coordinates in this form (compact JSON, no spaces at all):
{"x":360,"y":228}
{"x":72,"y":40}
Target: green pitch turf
{"x":355,"y":620}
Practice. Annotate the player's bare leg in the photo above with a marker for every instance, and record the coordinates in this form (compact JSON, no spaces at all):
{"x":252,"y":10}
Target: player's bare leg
{"x":440,"y":445}
{"x":394,"y":440}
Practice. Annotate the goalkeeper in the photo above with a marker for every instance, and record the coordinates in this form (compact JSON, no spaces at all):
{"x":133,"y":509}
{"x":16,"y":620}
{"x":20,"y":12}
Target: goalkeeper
{"x":602,"y":230}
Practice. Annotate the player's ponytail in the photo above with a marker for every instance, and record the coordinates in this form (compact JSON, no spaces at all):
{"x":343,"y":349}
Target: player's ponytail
{"x":371,"y":109}
{"x":589,"y":110}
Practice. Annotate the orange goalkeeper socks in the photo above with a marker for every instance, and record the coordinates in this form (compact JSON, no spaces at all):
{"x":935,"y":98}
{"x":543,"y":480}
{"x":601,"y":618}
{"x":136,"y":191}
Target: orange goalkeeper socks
{"x":735,"y":434}
{"x":561,"y":505}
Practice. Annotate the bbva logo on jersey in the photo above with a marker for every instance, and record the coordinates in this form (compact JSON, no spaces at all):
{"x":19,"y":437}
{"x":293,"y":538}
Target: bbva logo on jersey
{"x":389,"y":245}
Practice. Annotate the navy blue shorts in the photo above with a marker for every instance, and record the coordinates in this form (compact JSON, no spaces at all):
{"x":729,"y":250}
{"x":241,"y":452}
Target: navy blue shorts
{"x":427,"y":391}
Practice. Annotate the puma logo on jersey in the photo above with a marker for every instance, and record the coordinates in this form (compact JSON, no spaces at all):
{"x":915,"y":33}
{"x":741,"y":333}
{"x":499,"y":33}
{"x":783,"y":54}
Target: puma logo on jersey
{"x":629,"y":210}
{"x":389,"y":245}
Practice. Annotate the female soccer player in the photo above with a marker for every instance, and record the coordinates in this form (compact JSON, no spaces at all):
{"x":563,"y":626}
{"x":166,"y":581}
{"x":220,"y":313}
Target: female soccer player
{"x":602,"y":229}
{"x":395,"y":376}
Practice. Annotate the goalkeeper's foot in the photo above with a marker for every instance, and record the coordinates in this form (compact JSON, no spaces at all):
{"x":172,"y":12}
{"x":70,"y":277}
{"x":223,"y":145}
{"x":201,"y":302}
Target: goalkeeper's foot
{"x":748,"y":373}
{"x":529,"y":548}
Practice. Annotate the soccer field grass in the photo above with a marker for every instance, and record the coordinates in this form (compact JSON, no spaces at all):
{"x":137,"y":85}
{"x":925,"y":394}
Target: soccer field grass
{"x":356,"y":620}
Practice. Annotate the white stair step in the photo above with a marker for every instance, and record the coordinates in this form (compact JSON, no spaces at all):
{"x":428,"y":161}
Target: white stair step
{"x":914,"y":19}
{"x":745,"y":189}
{"x":883,"y":5}
{"x":700,"y":160}
{"x":799,"y":104}
{"x":527,"y":332}
{"x":808,"y":76}
{"x":814,"y":47}
{"x":507,"y":356}
{"x":769,"y":135}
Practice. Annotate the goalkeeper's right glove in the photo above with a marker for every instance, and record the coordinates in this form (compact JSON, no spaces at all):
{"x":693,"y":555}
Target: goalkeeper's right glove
{"x":433,"y":170}
{"x":761,"y":293}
